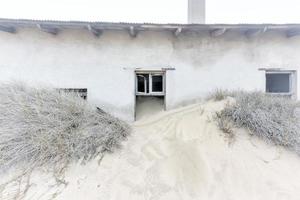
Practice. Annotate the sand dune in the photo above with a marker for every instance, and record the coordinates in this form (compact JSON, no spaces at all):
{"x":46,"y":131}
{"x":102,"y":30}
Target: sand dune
{"x":181,"y":155}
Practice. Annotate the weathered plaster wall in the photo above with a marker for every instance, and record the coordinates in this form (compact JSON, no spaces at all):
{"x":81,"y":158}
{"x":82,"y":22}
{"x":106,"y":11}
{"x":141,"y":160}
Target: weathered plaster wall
{"x":105,"y":65}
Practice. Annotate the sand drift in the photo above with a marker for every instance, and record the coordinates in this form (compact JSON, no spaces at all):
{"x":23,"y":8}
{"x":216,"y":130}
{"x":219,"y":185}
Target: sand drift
{"x":178,"y":155}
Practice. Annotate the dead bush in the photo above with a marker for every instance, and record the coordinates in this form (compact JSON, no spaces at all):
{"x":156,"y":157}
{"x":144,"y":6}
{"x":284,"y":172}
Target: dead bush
{"x":220,"y":94}
{"x":42,"y":127}
{"x":272,"y":118}
{"x":225,"y":125}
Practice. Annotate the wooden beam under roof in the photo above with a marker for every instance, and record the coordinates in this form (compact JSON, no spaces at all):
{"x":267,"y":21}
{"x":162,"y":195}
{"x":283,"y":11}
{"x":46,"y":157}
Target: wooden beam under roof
{"x":253,"y":32}
{"x":292,"y":32}
{"x":133,"y":32}
{"x":95,"y":31}
{"x":8,"y":29}
{"x":48,"y":29}
{"x":177,"y":31}
{"x":217,"y":32}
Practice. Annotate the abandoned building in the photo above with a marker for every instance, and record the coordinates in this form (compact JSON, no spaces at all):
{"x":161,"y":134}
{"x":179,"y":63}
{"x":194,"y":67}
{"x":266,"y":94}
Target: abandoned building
{"x":116,"y":64}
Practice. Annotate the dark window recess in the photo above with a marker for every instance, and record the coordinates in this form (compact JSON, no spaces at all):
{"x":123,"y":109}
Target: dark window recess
{"x":278,"y":83}
{"x":143,"y":83}
{"x":82,"y":92}
{"x":157,"y":83}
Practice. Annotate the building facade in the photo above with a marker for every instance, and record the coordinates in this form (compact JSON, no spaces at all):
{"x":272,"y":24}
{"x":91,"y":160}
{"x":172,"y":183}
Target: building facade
{"x":180,"y":63}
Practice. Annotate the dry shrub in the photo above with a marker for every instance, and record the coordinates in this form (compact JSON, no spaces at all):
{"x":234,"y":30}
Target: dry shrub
{"x":272,"y":118}
{"x":220,"y":94}
{"x":42,"y":127}
{"x":225,"y":125}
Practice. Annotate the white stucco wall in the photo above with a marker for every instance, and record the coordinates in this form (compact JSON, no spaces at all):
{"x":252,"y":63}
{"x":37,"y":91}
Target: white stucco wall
{"x":105,"y":65}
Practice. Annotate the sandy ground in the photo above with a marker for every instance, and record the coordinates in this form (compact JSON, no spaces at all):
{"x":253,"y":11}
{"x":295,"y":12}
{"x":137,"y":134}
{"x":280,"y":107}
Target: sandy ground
{"x":181,"y":155}
{"x":148,"y":106}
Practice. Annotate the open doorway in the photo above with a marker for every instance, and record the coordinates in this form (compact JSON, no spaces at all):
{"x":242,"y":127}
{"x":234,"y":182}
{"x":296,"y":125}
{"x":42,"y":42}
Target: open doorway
{"x":149,"y":93}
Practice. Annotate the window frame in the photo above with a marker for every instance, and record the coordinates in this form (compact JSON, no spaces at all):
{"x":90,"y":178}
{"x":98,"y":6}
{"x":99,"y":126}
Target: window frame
{"x":145,"y":84}
{"x":151,"y":92}
{"x":292,"y":82}
{"x":81,"y":92}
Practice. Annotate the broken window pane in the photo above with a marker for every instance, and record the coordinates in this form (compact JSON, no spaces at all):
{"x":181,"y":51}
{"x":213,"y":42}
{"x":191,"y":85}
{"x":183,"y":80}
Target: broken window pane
{"x":278,"y":83}
{"x":157,"y":83}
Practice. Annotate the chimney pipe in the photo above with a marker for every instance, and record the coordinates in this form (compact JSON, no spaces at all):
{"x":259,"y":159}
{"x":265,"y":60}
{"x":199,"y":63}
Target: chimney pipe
{"x":196,"y":11}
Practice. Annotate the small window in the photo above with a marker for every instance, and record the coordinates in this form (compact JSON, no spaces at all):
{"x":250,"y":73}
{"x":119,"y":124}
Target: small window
{"x":278,"y":83}
{"x":150,"y":84}
{"x":281,"y":82}
{"x":82,"y":92}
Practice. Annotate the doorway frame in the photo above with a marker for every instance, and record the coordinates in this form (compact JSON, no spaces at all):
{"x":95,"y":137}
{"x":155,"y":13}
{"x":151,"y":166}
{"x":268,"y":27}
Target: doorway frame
{"x":161,"y":94}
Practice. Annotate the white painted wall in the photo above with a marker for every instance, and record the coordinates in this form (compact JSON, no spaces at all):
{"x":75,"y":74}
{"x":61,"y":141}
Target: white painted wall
{"x":105,"y":65}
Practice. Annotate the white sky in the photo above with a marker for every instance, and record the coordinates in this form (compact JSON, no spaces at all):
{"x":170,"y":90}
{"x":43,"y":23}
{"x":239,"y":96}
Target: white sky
{"x":161,"y":11}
